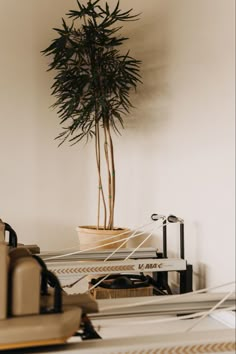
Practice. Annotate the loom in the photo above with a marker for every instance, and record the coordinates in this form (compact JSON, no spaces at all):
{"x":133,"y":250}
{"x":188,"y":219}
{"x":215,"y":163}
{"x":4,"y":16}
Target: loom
{"x":35,"y":312}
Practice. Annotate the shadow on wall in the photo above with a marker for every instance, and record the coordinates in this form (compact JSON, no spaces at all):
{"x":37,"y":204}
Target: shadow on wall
{"x":194,"y":251}
{"x":149,"y":43}
{"x":200,"y":275}
{"x":144,"y":127}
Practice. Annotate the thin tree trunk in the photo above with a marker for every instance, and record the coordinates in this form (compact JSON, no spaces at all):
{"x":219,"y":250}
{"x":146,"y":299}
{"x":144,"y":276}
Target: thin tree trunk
{"x":100,"y":186}
{"x":113,"y":179}
{"x":106,"y":150}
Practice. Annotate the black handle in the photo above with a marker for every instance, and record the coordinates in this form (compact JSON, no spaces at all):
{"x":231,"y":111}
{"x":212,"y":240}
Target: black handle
{"x":52,"y":279}
{"x":48,"y":278}
{"x":12,"y":235}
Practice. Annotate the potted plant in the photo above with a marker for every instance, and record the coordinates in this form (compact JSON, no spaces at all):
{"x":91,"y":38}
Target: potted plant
{"x":92,"y":84}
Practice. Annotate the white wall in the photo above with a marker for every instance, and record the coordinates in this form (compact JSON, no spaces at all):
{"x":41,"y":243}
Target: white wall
{"x":176,"y":154}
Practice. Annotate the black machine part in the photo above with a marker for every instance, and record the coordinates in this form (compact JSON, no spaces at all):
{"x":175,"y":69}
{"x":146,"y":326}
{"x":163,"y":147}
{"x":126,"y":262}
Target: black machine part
{"x":123,"y":281}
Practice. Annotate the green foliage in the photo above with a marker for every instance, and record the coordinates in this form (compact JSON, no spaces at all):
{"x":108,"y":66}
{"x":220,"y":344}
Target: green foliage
{"x":93,"y":78}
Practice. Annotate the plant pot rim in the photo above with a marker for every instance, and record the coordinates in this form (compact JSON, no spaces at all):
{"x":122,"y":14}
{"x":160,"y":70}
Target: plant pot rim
{"x":93,"y":229}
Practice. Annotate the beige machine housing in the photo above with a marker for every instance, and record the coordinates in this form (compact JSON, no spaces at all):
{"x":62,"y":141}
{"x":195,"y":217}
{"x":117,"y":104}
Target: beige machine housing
{"x":22,"y":321}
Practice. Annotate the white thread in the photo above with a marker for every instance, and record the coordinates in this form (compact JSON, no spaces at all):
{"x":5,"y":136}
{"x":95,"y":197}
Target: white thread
{"x":94,"y":248}
{"x":140,"y":244}
{"x":166,"y":298}
{"x":123,"y":243}
{"x":171,"y":319}
{"x":133,"y":235}
{"x":105,"y":239}
{"x":211,"y":310}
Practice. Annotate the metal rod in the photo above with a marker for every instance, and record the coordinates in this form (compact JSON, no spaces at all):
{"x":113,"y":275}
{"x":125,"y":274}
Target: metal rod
{"x":164,"y":239}
{"x":182,"y":240}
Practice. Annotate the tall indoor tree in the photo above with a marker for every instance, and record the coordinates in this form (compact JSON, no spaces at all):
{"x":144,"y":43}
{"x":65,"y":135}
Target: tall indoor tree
{"x":92,"y":85}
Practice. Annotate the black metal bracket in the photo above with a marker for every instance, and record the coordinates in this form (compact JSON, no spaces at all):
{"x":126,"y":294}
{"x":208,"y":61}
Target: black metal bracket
{"x":186,"y":276}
